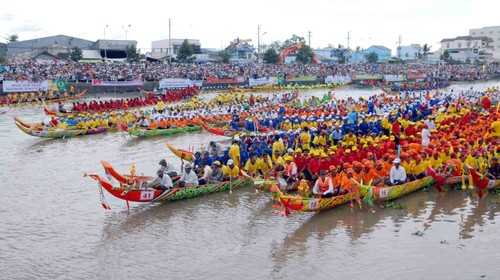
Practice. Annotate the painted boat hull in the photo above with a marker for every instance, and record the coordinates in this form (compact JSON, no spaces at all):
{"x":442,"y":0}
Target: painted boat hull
{"x":140,"y":132}
{"x":183,"y":154}
{"x":308,"y":204}
{"x":151,"y":195}
{"x":394,"y":192}
{"x":46,"y":101}
{"x":45,"y":131}
{"x":219,"y":131}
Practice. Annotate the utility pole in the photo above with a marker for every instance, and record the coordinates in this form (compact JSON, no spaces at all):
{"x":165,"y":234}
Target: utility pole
{"x":169,"y":41}
{"x":348,"y":38}
{"x":258,"y":44}
{"x":399,"y":46}
{"x":309,"y":34}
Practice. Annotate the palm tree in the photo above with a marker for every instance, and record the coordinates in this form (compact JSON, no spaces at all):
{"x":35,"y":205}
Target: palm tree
{"x":426,"y":49}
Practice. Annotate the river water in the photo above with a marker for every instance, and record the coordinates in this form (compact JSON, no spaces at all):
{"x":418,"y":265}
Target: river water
{"x":52,"y":225}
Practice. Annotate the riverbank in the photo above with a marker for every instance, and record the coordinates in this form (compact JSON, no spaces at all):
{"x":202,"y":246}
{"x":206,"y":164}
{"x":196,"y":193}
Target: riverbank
{"x":151,"y":85}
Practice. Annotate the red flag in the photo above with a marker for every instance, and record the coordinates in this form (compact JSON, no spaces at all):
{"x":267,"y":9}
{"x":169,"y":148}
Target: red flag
{"x":86,"y":67}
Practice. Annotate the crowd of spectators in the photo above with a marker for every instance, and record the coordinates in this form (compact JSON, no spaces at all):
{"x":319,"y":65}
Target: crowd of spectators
{"x":150,"y":71}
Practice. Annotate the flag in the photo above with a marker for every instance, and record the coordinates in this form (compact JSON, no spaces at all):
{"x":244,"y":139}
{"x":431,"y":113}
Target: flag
{"x":86,"y":67}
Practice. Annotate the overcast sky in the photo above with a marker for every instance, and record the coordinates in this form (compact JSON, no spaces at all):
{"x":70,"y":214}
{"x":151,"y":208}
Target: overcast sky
{"x":217,"y":22}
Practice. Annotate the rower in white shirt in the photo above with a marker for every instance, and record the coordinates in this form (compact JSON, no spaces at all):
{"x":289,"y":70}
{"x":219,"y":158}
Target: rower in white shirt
{"x":397,"y":175}
{"x":188,"y":177}
{"x":161,"y":182}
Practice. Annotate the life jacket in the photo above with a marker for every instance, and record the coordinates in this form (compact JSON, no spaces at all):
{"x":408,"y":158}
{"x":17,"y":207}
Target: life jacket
{"x":324,"y":186}
{"x":289,"y":169}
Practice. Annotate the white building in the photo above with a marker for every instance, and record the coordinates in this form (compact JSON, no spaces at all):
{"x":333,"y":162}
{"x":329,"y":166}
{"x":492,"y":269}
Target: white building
{"x":468,"y":48}
{"x":164,"y":48}
{"x":492,"y":32}
{"x":411,"y":52}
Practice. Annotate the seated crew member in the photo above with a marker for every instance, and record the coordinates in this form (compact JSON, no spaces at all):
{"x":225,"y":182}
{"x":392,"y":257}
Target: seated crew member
{"x":161,"y":182}
{"x":206,"y":172}
{"x":216,"y":176}
{"x":188,"y":177}
{"x":167,"y":168}
{"x":494,"y":169}
{"x":397,"y":175}
{"x":323,"y":187}
{"x":230,"y":171}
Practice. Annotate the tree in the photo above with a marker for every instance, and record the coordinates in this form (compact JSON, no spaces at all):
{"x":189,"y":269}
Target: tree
{"x":271,"y":56}
{"x":446,"y":55}
{"x":196,"y":48}
{"x":75,"y":54}
{"x":304,"y":54}
{"x":2,"y":60}
{"x":185,"y":51}
{"x":227,"y":53}
{"x":12,"y":38}
{"x":132,"y":53}
{"x":426,"y":49}
{"x":372,"y":57}
{"x":290,"y":42}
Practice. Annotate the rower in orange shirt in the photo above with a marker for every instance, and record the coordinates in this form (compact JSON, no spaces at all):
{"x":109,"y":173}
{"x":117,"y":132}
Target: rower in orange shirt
{"x":381,"y":173}
{"x":348,"y":184}
{"x":369,"y":176}
{"x":336,"y":179}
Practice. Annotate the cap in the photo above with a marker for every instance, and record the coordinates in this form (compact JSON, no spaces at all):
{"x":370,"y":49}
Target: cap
{"x":230,"y":161}
{"x":187,"y":165}
{"x":216,"y":163}
{"x":287,"y":157}
{"x":494,"y":158}
{"x":397,"y":160}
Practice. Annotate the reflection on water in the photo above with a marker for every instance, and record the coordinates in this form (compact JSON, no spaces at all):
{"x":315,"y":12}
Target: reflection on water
{"x":53,"y":223}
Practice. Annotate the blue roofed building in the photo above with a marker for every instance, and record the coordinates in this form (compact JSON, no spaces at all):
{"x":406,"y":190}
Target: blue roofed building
{"x":384,"y":53}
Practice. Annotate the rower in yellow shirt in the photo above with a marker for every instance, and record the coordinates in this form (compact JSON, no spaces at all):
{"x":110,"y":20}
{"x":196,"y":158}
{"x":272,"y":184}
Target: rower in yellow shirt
{"x":234,"y":152}
{"x":305,"y":139}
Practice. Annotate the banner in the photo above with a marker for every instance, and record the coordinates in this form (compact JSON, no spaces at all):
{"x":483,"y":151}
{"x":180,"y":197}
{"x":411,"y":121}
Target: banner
{"x":263,"y":81}
{"x":179,"y":83}
{"x":394,"y":78}
{"x":415,"y":76}
{"x":99,"y":83}
{"x":225,"y":81}
{"x":24,"y":86}
{"x":301,"y":79}
{"x":338,"y":79}
{"x":366,"y":77}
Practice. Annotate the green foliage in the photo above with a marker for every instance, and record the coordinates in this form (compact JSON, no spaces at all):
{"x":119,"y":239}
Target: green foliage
{"x":271,"y":56}
{"x":372,"y":57}
{"x":196,"y":48}
{"x":227,"y":53}
{"x":304,"y":54}
{"x":341,"y":57}
{"x":12,"y":38}
{"x":132,"y":53}
{"x":446,"y":55}
{"x":394,"y":205}
{"x":186,"y":51}
{"x":75,"y":54}
{"x":426,"y":49}
{"x":3,"y":60}
{"x":418,"y":233}
{"x":276,"y":45}
{"x":291,"y":41}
